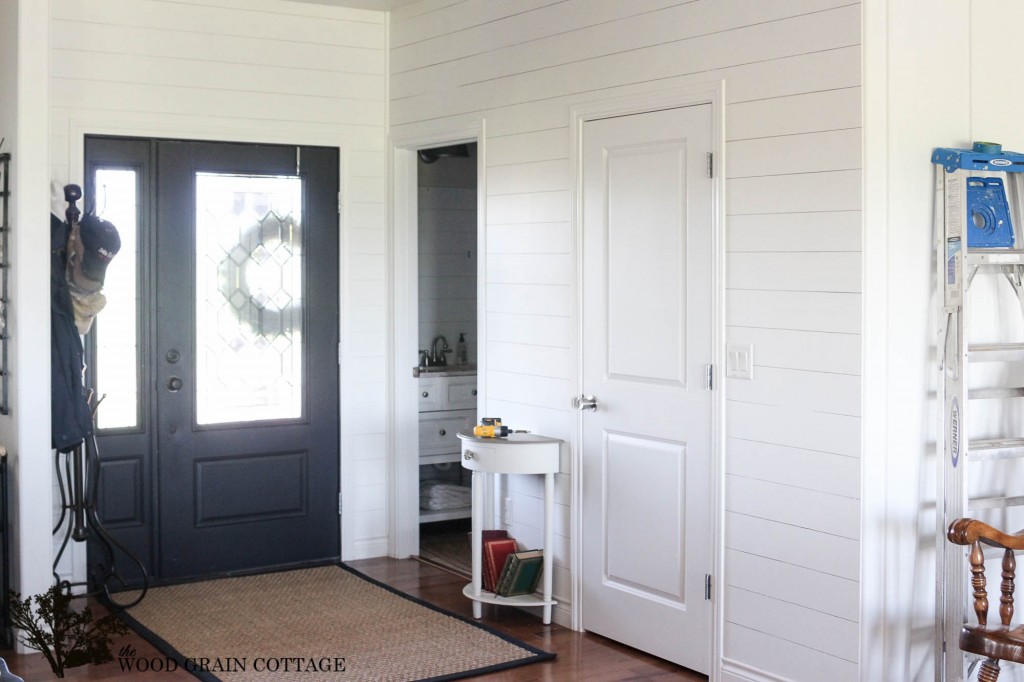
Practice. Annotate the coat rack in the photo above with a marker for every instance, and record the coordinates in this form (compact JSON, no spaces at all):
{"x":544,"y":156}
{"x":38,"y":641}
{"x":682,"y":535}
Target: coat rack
{"x":78,"y":479}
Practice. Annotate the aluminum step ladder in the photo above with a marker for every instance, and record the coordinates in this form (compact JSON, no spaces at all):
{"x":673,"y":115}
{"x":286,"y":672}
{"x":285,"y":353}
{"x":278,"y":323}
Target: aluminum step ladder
{"x":978,"y":214}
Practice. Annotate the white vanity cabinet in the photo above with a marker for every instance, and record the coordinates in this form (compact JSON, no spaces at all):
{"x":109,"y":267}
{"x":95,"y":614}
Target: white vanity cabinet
{"x":447,"y":401}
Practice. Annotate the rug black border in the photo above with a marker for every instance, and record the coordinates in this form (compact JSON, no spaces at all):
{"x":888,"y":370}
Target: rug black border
{"x":539,"y":655}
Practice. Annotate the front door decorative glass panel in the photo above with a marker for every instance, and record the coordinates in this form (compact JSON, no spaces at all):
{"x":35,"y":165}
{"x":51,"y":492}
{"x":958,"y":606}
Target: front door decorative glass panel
{"x":248,"y":298}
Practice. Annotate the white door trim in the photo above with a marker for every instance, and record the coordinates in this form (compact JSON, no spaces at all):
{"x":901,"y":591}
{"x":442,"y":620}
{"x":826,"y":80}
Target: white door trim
{"x":401,"y":247}
{"x":712,"y":93}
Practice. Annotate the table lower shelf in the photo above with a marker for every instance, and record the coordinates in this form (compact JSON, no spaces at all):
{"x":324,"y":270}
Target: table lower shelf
{"x":518,"y":600}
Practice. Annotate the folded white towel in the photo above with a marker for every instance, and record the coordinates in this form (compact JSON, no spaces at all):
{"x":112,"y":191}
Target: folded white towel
{"x":442,"y":496}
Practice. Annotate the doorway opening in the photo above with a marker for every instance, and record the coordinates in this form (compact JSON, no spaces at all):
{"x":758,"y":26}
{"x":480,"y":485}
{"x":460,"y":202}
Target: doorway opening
{"x":448,"y":346}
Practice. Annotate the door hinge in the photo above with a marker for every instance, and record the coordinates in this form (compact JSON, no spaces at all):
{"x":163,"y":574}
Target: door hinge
{"x":709,"y":377}
{"x":707,"y":586}
{"x":339,"y":203}
{"x":339,"y":504}
{"x":339,"y":352}
{"x":711,"y":165}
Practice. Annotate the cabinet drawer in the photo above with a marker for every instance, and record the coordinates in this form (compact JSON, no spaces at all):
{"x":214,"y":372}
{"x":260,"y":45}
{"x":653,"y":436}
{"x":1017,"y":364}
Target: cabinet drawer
{"x":438,"y":433}
{"x":462,"y":395}
{"x":432,"y":395}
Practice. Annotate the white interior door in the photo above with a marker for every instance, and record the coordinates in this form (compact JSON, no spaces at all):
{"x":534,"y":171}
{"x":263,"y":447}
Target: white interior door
{"x":647,"y":338}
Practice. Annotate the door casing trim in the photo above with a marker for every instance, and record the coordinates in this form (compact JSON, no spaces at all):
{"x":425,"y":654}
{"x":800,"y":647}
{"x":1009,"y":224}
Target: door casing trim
{"x":712,"y":93}
{"x":402,"y":296}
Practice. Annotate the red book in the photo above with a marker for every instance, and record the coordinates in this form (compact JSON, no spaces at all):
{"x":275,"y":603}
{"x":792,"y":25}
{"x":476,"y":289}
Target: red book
{"x":495,"y":553}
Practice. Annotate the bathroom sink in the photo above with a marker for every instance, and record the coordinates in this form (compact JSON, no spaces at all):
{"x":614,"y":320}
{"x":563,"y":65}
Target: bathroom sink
{"x":449,"y":371}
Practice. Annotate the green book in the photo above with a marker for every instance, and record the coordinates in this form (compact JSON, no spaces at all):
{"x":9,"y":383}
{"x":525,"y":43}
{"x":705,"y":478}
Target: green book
{"x":521,"y":573}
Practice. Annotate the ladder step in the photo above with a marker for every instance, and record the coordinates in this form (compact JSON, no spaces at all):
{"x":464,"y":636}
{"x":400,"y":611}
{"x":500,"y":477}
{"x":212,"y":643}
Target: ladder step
{"x":995,"y":448}
{"x":994,"y":503}
{"x":1001,"y":257}
{"x":988,"y":393}
{"x":995,"y":352}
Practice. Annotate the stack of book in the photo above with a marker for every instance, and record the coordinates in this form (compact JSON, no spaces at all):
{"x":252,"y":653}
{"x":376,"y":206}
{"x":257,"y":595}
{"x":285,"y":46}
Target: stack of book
{"x":507,"y":571}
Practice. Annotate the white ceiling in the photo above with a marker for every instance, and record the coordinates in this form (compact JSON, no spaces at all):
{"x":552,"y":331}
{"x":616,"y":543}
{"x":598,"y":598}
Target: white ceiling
{"x":381,"y":5}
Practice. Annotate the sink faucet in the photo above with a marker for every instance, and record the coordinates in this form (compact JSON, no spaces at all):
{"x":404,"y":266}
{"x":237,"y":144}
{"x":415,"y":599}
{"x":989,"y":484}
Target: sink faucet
{"x":437,"y":357}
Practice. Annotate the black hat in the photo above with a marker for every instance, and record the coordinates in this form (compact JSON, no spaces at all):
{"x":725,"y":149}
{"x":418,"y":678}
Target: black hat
{"x":100,"y":243}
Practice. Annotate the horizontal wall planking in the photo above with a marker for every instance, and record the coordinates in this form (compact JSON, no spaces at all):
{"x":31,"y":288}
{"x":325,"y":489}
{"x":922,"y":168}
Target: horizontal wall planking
{"x":365,"y":497}
{"x":533,"y":486}
{"x":835,"y":433}
{"x":815,"y":34}
{"x":801,"y":271}
{"x":798,"y":389}
{"x":365,"y":318}
{"x":364,"y":344}
{"x":834,"y":636}
{"x":541,"y":268}
{"x":806,"y":350}
{"x":452,"y":198}
{"x":445,"y":265}
{"x":372,"y":190}
{"x":371,"y":446}
{"x":540,"y":330}
{"x":793,"y":114}
{"x":528,"y":390}
{"x":368,"y":164}
{"x":799,"y":193}
{"x":793,"y":661}
{"x":810,"y":469}
{"x":528,"y":510}
{"x":437,"y":226}
{"x":814,"y":590}
{"x":554,"y":423}
{"x":838,"y":68}
{"x":536,"y":26}
{"x":527,"y":359}
{"x":447,"y":310}
{"x":373,"y":472}
{"x":367,"y":370}
{"x":366,"y":419}
{"x":364,"y":216}
{"x":794,"y":310}
{"x":529,"y":238}
{"x":141,"y":98}
{"x":532,"y":207}
{"x":365,"y":291}
{"x":795,"y":545}
{"x":540,"y":145}
{"x":813,"y":231}
{"x":209,"y":19}
{"x":182,"y":71}
{"x":534,"y":176}
{"x":793,"y":506}
{"x":801,"y":153}
{"x":451,"y":17}
{"x":313,"y":10}
{"x":455,"y":287}
{"x":666,"y":35}
{"x":538,"y":299}
{"x":367,"y":526}
{"x":219,"y":48}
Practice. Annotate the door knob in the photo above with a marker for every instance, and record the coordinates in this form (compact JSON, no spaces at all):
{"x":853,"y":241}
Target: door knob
{"x":585,"y":402}
{"x":174,"y":384}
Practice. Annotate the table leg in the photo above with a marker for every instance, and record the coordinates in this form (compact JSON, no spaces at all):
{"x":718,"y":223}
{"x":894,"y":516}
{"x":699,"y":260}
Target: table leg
{"x":549,"y":508}
{"x":477,"y":543}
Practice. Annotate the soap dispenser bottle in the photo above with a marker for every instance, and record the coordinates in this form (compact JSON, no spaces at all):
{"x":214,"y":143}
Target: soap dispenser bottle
{"x":461,"y":354}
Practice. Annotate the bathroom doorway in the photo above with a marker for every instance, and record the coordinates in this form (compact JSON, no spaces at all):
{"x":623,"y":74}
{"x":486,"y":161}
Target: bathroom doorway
{"x":448,"y":344}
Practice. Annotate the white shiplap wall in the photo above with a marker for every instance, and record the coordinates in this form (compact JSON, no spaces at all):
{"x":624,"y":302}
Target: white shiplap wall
{"x":793,"y":101}
{"x":255,"y":71}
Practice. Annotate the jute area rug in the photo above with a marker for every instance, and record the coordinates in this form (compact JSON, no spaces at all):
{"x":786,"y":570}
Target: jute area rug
{"x":327,"y":623}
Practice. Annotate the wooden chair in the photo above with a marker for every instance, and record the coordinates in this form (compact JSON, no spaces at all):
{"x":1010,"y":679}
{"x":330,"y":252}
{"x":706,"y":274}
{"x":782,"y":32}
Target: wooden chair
{"x":996,"y":642}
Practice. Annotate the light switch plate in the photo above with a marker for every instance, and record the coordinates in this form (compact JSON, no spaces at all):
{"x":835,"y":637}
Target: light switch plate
{"x":739,"y":361}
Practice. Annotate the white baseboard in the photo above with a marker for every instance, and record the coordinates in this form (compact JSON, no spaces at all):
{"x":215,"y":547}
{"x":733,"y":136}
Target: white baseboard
{"x":368,"y":549}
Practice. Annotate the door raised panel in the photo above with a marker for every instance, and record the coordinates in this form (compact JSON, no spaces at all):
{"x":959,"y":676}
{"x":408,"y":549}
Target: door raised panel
{"x":247,"y":488}
{"x":644,"y":508}
{"x":646,"y":252}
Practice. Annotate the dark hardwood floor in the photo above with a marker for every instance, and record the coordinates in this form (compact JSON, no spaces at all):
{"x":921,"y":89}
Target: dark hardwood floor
{"x":581,"y":656}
